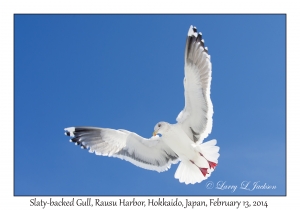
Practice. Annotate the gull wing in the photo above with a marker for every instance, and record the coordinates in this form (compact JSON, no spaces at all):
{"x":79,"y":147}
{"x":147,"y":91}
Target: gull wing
{"x":196,"y":117}
{"x":151,"y":154}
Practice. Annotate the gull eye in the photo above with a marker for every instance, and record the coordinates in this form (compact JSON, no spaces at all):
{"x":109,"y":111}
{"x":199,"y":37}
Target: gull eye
{"x":159,"y":125}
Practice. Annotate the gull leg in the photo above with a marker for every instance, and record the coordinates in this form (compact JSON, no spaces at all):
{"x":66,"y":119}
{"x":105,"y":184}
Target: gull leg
{"x":210,"y":163}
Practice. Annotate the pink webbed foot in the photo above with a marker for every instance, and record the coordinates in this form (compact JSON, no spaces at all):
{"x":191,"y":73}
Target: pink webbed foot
{"x":203,"y":171}
{"x":212,"y":164}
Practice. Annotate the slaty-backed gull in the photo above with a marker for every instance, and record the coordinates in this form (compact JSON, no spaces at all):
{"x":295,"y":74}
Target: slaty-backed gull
{"x":182,"y":141}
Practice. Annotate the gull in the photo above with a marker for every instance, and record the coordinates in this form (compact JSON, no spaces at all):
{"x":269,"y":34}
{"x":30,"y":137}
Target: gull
{"x":182,"y":141}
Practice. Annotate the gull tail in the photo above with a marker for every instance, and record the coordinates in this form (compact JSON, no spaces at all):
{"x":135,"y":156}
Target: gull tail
{"x":210,"y":152}
{"x":201,"y":167}
{"x":189,"y":173}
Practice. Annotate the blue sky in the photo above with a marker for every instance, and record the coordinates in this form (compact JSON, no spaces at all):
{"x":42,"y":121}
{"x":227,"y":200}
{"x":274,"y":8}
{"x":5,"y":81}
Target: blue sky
{"x":126,"y":71}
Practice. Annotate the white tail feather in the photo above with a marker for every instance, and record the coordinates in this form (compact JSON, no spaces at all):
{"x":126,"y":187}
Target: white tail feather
{"x":209,"y":150}
{"x":188,"y":173}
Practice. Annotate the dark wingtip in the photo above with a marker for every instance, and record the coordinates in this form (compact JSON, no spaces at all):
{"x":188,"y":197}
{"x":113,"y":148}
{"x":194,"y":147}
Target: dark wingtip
{"x":194,"y":36}
{"x":194,"y":29}
{"x":81,"y":135}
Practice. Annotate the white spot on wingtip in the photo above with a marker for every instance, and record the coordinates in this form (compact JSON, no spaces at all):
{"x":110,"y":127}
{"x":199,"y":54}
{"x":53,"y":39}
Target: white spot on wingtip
{"x":70,"y":140}
{"x":70,"y":130}
{"x":76,"y":143}
{"x":82,"y":147}
{"x":202,"y":40}
{"x":206,"y":48}
{"x":191,"y":31}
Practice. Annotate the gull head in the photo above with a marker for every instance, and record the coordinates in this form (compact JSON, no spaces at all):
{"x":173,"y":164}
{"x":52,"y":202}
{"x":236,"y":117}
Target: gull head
{"x":160,"y":128}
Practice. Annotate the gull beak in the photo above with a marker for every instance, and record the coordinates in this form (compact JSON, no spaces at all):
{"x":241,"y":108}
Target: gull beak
{"x":154,"y":133}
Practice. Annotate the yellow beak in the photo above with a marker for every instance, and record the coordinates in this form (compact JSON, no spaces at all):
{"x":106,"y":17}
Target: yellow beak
{"x":154,"y":133}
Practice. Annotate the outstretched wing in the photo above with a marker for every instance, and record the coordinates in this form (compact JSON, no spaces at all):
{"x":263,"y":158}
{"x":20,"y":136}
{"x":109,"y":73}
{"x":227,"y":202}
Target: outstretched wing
{"x":196,"y":117}
{"x":150,"y":154}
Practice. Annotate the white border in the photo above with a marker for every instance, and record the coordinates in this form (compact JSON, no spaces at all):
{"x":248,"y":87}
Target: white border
{"x":9,"y":8}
